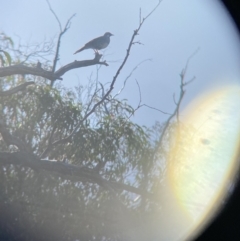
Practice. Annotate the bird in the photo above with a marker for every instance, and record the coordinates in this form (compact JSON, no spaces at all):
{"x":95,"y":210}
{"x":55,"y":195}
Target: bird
{"x":97,"y":43}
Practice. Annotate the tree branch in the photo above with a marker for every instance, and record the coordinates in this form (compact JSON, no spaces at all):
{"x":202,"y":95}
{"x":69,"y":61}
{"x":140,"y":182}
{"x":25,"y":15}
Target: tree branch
{"x":69,"y":137}
{"x":16,"y":89}
{"x":182,"y":93}
{"x":71,"y":171}
{"x":130,"y":74}
{"x":80,"y":64}
{"x":67,"y":26}
{"x":25,"y":70}
{"x":55,"y":15}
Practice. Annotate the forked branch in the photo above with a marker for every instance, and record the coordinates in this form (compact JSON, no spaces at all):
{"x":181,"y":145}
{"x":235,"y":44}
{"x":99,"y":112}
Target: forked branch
{"x":183,"y":83}
{"x":21,"y":69}
{"x":131,"y":43}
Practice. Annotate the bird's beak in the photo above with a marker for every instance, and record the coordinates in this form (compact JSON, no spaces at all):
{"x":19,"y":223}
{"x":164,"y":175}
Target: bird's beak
{"x":112,"y":34}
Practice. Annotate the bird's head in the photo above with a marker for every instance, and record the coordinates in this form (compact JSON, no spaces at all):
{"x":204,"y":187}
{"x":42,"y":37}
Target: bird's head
{"x":108,"y":34}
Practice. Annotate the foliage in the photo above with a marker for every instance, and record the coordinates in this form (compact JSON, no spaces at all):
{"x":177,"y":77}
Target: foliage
{"x":107,"y":144}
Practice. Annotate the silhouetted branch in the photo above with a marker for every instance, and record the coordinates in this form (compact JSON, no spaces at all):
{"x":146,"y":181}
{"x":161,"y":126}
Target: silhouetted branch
{"x":67,"y":26}
{"x":25,"y":70}
{"x":181,"y":95}
{"x":69,"y":137}
{"x":143,"y":19}
{"x":71,"y":171}
{"x":126,"y":79}
{"x":148,"y":106}
{"x":104,"y":104}
{"x":62,"y":32}
{"x":55,"y":15}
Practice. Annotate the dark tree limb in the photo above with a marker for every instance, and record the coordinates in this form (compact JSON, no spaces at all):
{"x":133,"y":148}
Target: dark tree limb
{"x":69,"y":171}
{"x":25,"y":70}
{"x":80,"y":64}
{"x":16,"y":89}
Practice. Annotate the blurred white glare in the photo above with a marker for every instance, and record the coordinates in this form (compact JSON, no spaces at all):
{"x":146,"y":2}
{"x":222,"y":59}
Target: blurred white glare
{"x":205,"y":146}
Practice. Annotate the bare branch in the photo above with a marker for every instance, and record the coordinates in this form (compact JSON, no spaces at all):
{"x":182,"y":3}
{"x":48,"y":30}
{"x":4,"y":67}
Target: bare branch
{"x":174,"y":99}
{"x":69,"y":137}
{"x":184,"y":71}
{"x":21,"y":69}
{"x":152,"y":11}
{"x":138,"y":42}
{"x":135,"y":33}
{"x":33,"y":52}
{"x":78,"y":64}
{"x":140,"y":105}
{"x":24,"y":70}
{"x":181,"y":95}
{"x":125,"y":81}
{"x":62,"y":32}
{"x":16,"y":89}
{"x":154,"y":108}
{"x":140,"y":93}
{"x":67,"y":26}
{"x":55,"y":15}
{"x":104,"y":104}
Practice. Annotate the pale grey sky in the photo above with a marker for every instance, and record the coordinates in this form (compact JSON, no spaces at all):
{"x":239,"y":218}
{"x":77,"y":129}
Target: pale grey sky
{"x":174,"y":31}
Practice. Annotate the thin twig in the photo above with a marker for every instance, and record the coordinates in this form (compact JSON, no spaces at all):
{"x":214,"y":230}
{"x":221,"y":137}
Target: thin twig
{"x":69,"y":137}
{"x":152,"y":11}
{"x":140,"y":16}
{"x":125,"y":81}
{"x":140,"y":93}
{"x":67,"y":26}
{"x":154,"y":108}
{"x":104,"y":104}
{"x":182,"y":93}
{"x":55,"y":15}
{"x":187,"y":63}
{"x":62,"y":32}
{"x":140,"y":105}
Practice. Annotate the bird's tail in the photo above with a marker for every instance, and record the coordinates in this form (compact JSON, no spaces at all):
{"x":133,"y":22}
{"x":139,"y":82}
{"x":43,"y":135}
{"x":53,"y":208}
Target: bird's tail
{"x":81,"y":49}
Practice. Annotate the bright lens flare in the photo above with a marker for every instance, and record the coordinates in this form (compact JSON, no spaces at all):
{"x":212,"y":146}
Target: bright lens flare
{"x":202,"y":160}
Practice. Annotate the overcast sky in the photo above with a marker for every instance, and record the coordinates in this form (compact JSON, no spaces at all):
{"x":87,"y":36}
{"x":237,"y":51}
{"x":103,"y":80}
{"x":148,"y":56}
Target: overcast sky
{"x":173,"y":32}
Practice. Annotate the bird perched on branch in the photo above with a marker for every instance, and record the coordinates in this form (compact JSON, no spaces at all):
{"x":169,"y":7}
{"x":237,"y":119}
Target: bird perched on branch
{"x":97,"y":43}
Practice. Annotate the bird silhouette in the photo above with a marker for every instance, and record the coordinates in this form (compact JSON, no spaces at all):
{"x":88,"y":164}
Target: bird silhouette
{"x":97,"y":43}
